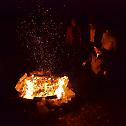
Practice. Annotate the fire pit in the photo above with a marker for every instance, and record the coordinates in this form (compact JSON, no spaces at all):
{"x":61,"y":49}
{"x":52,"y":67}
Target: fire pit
{"x":46,"y":87}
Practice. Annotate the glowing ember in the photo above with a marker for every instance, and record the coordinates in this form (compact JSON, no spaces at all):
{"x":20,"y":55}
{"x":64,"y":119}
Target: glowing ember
{"x":41,"y":85}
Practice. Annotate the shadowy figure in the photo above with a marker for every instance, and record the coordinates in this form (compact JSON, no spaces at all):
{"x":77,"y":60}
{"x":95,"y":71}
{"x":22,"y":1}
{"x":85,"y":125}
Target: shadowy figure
{"x":91,"y":39}
{"x":108,"y":47}
{"x":95,"y":59}
{"x":73,"y":43}
{"x":73,"y":34}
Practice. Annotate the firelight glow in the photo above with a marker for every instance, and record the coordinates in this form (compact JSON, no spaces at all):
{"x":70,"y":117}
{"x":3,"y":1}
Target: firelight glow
{"x":44,"y":86}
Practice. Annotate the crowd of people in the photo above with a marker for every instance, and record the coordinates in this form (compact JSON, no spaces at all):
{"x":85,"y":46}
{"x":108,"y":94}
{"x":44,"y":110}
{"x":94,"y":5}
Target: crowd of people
{"x":91,"y":47}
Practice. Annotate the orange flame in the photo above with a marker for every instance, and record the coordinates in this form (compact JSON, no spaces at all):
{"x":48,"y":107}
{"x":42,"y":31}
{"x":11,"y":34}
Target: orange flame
{"x":44,"y":86}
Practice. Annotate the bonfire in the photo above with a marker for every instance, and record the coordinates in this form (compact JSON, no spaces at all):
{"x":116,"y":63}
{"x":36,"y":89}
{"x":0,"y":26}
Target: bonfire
{"x":46,"y":86}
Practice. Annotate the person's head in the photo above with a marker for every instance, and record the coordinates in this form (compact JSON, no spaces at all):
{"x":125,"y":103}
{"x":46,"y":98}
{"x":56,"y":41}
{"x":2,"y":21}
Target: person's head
{"x":73,"y":22}
{"x":107,"y":31}
{"x":92,"y":26}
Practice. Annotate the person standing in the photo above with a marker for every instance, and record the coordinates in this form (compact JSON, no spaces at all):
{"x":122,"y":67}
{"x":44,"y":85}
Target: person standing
{"x":108,"y":47}
{"x":92,"y":33}
{"x":73,"y":34}
{"x":73,"y":44}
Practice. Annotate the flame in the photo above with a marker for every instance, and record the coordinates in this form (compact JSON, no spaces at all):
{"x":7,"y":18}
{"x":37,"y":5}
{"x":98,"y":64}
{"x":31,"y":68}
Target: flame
{"x":30,"y":89}
{"x":62,"y":85}
{"x":44,"y":86}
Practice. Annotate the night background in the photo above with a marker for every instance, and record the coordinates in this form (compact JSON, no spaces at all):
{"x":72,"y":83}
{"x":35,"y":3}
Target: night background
{"x":14,"y":61}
